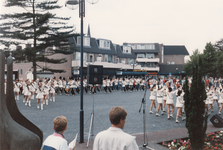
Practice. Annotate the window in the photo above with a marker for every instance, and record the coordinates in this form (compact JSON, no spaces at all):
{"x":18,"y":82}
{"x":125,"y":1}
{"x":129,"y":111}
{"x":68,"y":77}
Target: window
{"x":78,"y":56}
{"x":104,"y":44}
{"x":130,"y":61}
{"x":99,"y":58}
{"x":150,"y":46}
{"x":91,"y":57}
{"x":132,"y":45}
{"x":168,"y":62}
{"x":142,"y":46}
{"x":86,"y":40}
{"x":150,"y":56}
{"x":140,"y":55}
{"x":117,"y":60}
{"x":110,"y":58}
{"x":106,"y":58}
{"x":172,"y":62}
{"x":126,"y":49}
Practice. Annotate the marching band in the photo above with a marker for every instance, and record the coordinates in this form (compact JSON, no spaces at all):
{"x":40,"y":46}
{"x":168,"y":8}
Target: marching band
{"x":161,"y":90}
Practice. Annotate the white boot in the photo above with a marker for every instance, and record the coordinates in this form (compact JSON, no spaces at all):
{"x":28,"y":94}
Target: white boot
{"x":26,"y":103}
{"x":29,"y":103}
{"x":24,"y":100}
{"x":53,"y":99}
{"x":17,"y":97}
{"x":177,"y":121}
{"x":183,"y":118}
{"x":46,"y":102}
{"x":162,"y":113}
{"x":50,"y":99}
{"x":171,"y":115}
{"x":38,"y":106}
{"x":164,"y":110}
{"x":41,"y":106}
{"x":32,"y":97}
{"x":168,"y":117}
{"x":157,"y":114}
{"x":151,"y":112}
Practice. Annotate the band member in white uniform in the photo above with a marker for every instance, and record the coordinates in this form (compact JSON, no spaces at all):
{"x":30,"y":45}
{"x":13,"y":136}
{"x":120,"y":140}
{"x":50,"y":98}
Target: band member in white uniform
{"x":164,"y":98}
{"x":169,"y":101}
{"x":179,"y":105}
{"x":52,"y":91}
{"x":215,"y":97}
{"x":152,"y":98}
{"x":45,"y":92}
{"x":39,"y":95}
{"x":17,"y":86}
{"x":207,"y":100}
{"x":220,"y":92}
{"x":32,"y":89}
{"x":159,"y":99}
{"x":210,"y":98}
{"x":27,"y":93}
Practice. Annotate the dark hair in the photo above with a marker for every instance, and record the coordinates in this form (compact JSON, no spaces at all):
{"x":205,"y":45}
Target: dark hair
{"x":170,"y":89}
{"x":179,"y":92}
{"x":116,"y":114}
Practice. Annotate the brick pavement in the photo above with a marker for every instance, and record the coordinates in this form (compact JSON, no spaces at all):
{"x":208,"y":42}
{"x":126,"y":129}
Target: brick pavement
{"x":155,"y":137}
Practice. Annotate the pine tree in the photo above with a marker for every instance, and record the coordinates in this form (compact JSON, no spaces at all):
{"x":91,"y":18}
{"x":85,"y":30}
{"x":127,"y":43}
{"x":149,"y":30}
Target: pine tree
{"x":196,"y":121}
{"x":47,"y":33}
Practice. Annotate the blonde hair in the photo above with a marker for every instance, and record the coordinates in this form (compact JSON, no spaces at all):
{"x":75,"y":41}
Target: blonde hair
{"x":60,"y":123}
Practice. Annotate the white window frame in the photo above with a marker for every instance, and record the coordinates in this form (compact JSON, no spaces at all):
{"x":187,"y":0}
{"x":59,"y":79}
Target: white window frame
{"x":86,"y":41}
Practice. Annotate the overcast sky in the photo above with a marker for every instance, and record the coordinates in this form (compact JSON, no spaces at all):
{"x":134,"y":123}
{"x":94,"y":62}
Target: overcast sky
{"x":192,"y":23}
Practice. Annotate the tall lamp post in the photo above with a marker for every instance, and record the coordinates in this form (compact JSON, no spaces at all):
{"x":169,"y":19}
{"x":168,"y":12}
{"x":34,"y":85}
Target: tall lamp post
{"x":72,"y":4}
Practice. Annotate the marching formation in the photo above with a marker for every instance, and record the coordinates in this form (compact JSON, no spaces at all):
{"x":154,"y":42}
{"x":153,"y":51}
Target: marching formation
{"x":161,"y":91}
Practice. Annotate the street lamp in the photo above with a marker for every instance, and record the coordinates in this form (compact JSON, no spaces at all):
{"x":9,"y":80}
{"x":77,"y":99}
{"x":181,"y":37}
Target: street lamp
{"x":73,"y":4}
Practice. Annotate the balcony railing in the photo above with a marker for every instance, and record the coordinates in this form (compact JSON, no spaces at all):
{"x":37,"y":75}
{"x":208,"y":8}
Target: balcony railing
{"x":157,"y":60}
{"x":76,"y":63}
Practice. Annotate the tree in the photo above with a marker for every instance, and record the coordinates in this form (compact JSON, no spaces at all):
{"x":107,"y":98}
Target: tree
{"x":193,"y":60}
{"x":209,"y":60}
{"x":48,"y":33}
{"x":219,"y":45}
{"x":196,"y":118}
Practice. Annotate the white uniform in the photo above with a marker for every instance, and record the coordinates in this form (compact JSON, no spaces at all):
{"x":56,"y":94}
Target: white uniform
{"x":17,"y":86}
{"x":152,"y":94}
{"x":180,"y":100}
{"x":210,"y":97}
{"x":27,"y":90}
{"x":170,"y":97}
{"x":160,"y":95}
{"x":39,"y":93}
{"x":114,"y":139}
{"x":220,"y":96}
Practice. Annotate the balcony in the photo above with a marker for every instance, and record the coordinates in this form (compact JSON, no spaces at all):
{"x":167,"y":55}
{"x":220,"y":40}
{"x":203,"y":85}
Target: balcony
{"x":76,"y":63}
{"x":157,"y":60}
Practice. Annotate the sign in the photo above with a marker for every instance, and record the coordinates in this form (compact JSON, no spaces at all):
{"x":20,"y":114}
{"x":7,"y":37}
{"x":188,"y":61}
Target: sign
{"x":119,"y":73}
{"x":76,"y":72}
{"x":139,"y":70}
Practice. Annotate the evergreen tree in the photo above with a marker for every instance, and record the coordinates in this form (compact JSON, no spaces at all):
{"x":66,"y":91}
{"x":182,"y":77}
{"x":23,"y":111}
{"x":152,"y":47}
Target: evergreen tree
{"x":196,"y":121}
{"x":193,"y":60}
{"x":210,"y":60}
{"x":38,"y":26}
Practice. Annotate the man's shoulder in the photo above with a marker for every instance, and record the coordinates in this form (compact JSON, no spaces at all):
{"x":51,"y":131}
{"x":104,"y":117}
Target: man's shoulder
{"x":116,"y":132}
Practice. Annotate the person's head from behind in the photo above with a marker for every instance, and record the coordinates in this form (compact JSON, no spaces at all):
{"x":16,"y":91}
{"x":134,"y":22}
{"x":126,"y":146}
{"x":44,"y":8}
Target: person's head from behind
{"x":117,"y":116}
{"x":60,"y":124}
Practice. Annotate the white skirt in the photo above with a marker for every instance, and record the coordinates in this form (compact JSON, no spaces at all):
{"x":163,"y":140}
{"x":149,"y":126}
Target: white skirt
{"x":160,"y":99}
{"x":169,"y":101}
{"x":220,"y":100}
{"x":179,"y":105}
{"x":152,"y":97}
{"x":16,"y":89}
{"x":39,"y":96}
{"x":164,"y":97}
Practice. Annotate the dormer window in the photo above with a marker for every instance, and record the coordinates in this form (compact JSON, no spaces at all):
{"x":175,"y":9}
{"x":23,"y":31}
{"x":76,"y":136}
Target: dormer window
{"x":86,"y":40}
{"x":127,"y":49}
{"x":104,"y":44}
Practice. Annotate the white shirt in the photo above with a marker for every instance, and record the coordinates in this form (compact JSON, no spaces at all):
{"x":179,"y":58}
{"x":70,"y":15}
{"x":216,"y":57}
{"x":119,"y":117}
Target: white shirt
{"x":114,"y":139}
